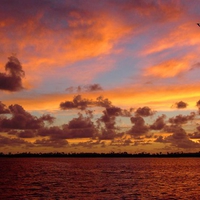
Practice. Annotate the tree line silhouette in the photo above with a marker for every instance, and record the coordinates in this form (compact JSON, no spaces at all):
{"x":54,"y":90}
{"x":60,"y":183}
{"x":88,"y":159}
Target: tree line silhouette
{"x":97,"y":155}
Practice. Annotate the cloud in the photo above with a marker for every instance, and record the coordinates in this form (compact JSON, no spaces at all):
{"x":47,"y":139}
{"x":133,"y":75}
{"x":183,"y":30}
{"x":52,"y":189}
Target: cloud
{"x":80,"y":127}
{"x":77,"y":102}
{"x":73,"y":31}
{"x":109,"y":134}
{"x":23,"y":134}
{"x":5,"y":141}
{"x":22,"y":124}
{"x":3,"y":109}
{"x":21,"y":119}
{"x":12,"y":79}
{"x":54,"y":132}
{"x":160,"y":139}
{"x":26,"y":134}
{"x":102,"y":102}
{"x":195,"y":66}
{"x":168,"y":68}
{"x":179,"y":139}
{"x":145,"y":111}
{"x":47,"y":117}
{"x":139,"y":128}
{"x":113,"y":111}
{"x":182,"y":119}
{"x":159,"y":123}
{"x":93,"y":87}
{"x":180,"y":36}
{"x":109,"y":120}
{"x":198,"y":103}
{"x":198,"y":128}
{"x":181,"y":105}
{"x":195,"y":135}
{"x":87,"y":88}
{"x":82,"y":103}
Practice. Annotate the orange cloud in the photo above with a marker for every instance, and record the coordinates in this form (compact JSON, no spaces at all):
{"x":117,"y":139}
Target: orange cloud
{"x":50,"y":39}
{"x":40,"y":47}
{"x":169,"y":68}
{"x":184,"y":34}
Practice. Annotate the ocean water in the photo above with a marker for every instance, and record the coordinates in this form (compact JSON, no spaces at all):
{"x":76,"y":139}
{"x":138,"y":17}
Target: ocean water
{"x":99,"y":178}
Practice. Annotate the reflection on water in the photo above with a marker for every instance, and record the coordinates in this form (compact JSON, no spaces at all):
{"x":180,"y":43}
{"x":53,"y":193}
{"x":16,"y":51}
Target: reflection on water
{"x":99,"y":178}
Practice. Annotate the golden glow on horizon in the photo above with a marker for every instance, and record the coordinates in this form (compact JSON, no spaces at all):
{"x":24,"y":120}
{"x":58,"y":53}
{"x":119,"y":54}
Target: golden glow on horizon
{"x":157,"y":97}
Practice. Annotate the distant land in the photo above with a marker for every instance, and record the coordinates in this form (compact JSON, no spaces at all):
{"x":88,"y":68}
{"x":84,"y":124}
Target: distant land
{"x":99,"y":155}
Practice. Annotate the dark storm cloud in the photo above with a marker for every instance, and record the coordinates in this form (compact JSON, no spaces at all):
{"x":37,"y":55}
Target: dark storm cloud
{"x":3,"y":108}
{"x":12,"y":79}
{"x":182,"y":119}
{"x":159,"y":123}
{"x":181,"y":105}
{"x":145,"y":111}
{"x":139,"y":128}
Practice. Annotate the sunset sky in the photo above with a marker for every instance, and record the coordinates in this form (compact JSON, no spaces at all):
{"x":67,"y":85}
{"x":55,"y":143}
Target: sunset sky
{"x":99,"y":76}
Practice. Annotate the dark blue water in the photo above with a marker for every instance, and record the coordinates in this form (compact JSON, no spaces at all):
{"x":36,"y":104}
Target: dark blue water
{"x":99,"y":178}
